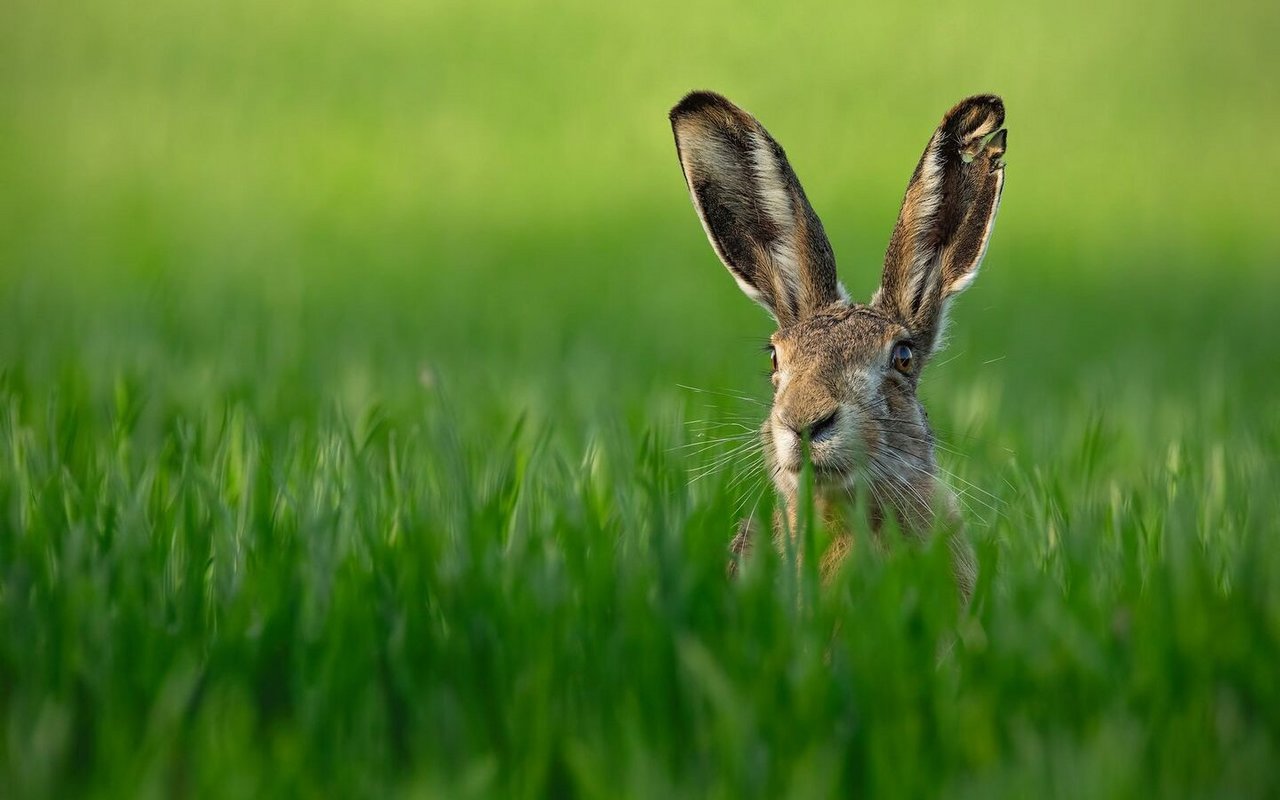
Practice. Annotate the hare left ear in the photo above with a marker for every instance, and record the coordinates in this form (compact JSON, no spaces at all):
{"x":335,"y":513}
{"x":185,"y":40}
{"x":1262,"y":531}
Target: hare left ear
{"x":753,"y":209}
{"x":946,"y":220}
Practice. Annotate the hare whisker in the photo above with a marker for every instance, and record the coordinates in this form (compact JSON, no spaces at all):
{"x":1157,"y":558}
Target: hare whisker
{"x":730,"y":395}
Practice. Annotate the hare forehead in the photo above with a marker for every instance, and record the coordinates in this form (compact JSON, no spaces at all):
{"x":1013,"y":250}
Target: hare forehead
{"x":843,"y":336}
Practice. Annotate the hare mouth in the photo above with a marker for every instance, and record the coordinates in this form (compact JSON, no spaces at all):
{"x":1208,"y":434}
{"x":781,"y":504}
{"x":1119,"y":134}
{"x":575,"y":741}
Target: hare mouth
{"x":823,"y":473}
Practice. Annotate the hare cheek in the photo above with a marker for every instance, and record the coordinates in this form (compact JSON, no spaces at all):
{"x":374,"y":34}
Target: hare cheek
{"x":781,"y":438}
{"x":780,"y":380}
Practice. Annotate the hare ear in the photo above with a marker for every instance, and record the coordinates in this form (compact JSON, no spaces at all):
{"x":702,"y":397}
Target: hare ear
{"x":753,"y":209}
{"x":946,"y":219}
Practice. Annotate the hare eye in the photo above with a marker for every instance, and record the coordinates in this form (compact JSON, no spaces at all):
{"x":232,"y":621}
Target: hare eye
{"x":902,"y":358}
{"x":773,"y":358}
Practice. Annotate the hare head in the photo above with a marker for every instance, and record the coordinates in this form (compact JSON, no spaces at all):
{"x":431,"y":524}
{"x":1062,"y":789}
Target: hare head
{"x":845,"y":374}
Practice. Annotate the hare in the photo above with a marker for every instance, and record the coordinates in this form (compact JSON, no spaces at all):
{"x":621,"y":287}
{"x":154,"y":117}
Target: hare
{"x":845,"y":374}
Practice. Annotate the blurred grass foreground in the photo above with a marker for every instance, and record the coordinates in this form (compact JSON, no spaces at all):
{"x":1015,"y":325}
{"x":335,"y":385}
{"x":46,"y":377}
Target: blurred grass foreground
{"x":343,"y":411}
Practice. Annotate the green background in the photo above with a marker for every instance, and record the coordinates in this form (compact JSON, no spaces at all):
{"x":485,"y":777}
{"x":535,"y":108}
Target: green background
{"x":344,"y":364}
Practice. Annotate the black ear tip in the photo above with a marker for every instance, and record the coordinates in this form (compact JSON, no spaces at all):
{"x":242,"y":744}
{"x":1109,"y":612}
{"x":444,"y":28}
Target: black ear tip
{"x":698,"y":102}
{"x":988,"y":102}
{"x":977,"y":115}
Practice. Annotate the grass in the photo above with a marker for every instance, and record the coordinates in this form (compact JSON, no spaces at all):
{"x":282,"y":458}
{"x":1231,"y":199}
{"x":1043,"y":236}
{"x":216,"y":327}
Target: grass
{"x":343,"y":429}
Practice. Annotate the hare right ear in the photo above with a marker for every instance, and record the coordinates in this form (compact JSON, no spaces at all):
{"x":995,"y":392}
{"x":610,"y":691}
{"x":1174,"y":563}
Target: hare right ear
{"x":753,"y":209}
{"x":946,"y":220}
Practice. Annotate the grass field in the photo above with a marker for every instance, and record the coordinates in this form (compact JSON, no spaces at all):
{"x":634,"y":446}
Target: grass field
{"x":345,"y":354}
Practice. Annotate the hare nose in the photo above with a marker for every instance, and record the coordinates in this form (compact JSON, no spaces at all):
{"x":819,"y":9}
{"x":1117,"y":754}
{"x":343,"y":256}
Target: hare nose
{"x":819,"y":429}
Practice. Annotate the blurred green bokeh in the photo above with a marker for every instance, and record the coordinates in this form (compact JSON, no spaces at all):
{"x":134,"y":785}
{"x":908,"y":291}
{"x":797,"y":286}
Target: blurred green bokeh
{"x":496,"y":165}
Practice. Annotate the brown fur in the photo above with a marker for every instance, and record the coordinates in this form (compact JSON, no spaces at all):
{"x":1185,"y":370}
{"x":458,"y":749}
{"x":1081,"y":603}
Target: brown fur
{"x":837,"y":386}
